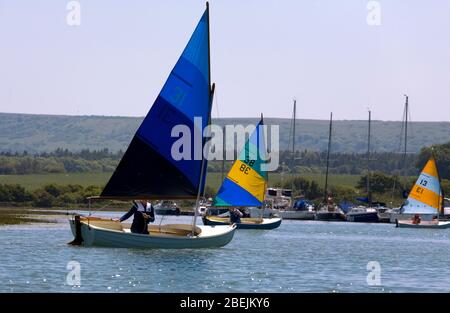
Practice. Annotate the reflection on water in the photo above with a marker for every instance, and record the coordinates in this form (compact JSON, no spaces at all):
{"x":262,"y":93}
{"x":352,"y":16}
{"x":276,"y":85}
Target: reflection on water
{"x":297,"y":257}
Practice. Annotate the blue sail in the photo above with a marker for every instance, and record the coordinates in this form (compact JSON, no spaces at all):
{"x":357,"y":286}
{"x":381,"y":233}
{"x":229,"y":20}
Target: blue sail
{"x":148,"y":169}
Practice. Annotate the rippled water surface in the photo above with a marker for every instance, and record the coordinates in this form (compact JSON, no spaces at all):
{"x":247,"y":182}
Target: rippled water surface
{"x":297,"y":257}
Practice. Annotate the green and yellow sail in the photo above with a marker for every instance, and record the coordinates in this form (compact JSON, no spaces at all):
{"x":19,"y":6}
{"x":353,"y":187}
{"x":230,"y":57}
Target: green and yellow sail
{"x":246,"y":182}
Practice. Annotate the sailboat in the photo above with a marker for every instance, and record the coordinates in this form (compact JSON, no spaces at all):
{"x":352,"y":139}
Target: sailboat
{"x":425,"y":200}
{"x":148,"y":171}
{"x":365,"y":214}
{"x":291,"y":210}
{"x":245,"y":185}
{"x":329,"y":211}
{"x":395,"y":214}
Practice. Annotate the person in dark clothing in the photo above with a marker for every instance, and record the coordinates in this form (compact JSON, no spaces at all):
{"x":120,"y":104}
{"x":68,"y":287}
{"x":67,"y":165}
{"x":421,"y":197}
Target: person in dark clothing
{"x":235,"y":216}
{"x":143,"y":213}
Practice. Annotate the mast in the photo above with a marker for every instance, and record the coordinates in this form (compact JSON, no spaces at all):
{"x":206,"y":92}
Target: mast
{"x":328,"y":159}
{"x":223,"y":153}
{"x":369,"y":196}
{"x":211,"y":96}
{"x":406,"y":141}
{"x":293,"y":153}
{"x":263,"y":207}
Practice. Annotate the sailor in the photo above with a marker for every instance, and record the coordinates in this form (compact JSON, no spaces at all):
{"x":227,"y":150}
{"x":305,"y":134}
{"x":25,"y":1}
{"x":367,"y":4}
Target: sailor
{"x":235,"y":215}
{"x":144,"y":213}
{"x":416,"y":219}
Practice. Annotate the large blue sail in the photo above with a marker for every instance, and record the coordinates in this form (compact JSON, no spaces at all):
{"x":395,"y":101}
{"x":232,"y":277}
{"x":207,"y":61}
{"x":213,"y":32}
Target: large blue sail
{"x":148,"y":169}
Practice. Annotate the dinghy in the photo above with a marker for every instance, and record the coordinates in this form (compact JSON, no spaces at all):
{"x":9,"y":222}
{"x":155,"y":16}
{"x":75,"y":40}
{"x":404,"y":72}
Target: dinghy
{"x":149,"y":171}
{"x":424,"y":224}
{"x":245,"y":185}
{"x":425,"y":200}
{"x":108,"y":233}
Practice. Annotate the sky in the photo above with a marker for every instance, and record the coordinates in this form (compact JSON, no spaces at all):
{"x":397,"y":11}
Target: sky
{"x":324,"y":53}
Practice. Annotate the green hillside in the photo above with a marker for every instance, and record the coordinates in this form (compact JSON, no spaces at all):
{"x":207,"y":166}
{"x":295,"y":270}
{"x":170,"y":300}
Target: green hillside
{"x":39,"y":133}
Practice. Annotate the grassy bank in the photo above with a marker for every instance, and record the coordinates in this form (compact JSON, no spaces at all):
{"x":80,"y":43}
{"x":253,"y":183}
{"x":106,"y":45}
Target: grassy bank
{"x":34,"y":181}
{"x":23,"y":215}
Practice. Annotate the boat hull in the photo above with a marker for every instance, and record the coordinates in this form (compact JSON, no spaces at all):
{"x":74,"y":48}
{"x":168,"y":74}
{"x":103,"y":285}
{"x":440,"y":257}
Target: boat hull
{"x":363,"y":217}
{"x":246,"y":223}
{"x":294,"y":215}
{"x":330,"y":216}
{"x":173,"y":236}
{"x":384,"y":217}
{"x":424,"y":225}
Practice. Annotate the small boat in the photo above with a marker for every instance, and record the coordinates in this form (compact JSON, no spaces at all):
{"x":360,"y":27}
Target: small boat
{"x":245,"y":185}
{"x":282,"y":200}
{"x":384,"y":214}
{"x":362,"y":214}
{"x":278,"y":198}
{"x":279,"y":201}
{"x":167,"y":207}
{"x":423,"y":224}
{"x":397,"y":214}
{"x":108,"y":233}
{"x":301,"y":210}
{"x":330,"y":213}
{"x":425,"y":200}
{"x":149,"y":171}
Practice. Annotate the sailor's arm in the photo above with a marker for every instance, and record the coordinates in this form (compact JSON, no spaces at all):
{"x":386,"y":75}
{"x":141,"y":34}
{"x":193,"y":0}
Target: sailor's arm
{"x":129,"y":213}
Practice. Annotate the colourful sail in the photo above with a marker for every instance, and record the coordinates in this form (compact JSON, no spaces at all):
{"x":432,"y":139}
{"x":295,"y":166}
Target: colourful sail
{"x":246,"y":182}
{"x":148,"y":170}
{"x":426,"y":195}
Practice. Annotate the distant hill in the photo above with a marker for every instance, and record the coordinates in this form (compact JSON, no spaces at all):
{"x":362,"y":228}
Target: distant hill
{"x":43,"y":133}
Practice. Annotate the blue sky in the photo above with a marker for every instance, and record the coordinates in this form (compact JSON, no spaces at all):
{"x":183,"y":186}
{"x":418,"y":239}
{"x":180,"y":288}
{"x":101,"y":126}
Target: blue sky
{"x":264,"y":53}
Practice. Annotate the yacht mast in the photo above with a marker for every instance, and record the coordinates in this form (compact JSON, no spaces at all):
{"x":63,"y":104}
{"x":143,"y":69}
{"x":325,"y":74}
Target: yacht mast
{"x":328,"y":159}
{"x":293,"y":153}
{"x":406,"y":141}
{"x":369,"y":196}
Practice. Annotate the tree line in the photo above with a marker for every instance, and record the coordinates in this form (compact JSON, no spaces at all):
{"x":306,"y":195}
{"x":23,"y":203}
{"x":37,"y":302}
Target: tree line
{"x":384,"y":188}
{"x":48,"y":196}
{"x":304,"y":161}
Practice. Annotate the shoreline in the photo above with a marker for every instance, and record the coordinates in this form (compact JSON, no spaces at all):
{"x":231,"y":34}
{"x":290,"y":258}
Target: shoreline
{"x":24,"y":215}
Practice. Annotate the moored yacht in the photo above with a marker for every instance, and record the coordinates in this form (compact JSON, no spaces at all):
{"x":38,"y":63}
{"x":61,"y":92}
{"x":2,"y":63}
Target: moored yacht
{"x":362,"y":214}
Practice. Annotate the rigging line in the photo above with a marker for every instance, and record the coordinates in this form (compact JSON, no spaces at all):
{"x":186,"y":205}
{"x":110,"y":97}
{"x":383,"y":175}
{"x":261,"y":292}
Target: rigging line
{"x":217,"y":104}
{"x":402,"y":130}
{"x":410,"y":125}
{"x":160,"y":222}
{"x":284,"y":165}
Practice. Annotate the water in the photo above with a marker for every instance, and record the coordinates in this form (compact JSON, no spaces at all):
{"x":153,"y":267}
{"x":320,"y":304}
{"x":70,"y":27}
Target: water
{"x":297,"y":257}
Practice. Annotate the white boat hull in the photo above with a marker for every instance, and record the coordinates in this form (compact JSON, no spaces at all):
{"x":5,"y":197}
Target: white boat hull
{"x":296,"y":215}
{"x":107,"y":233}
{"x":429,"y":225}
